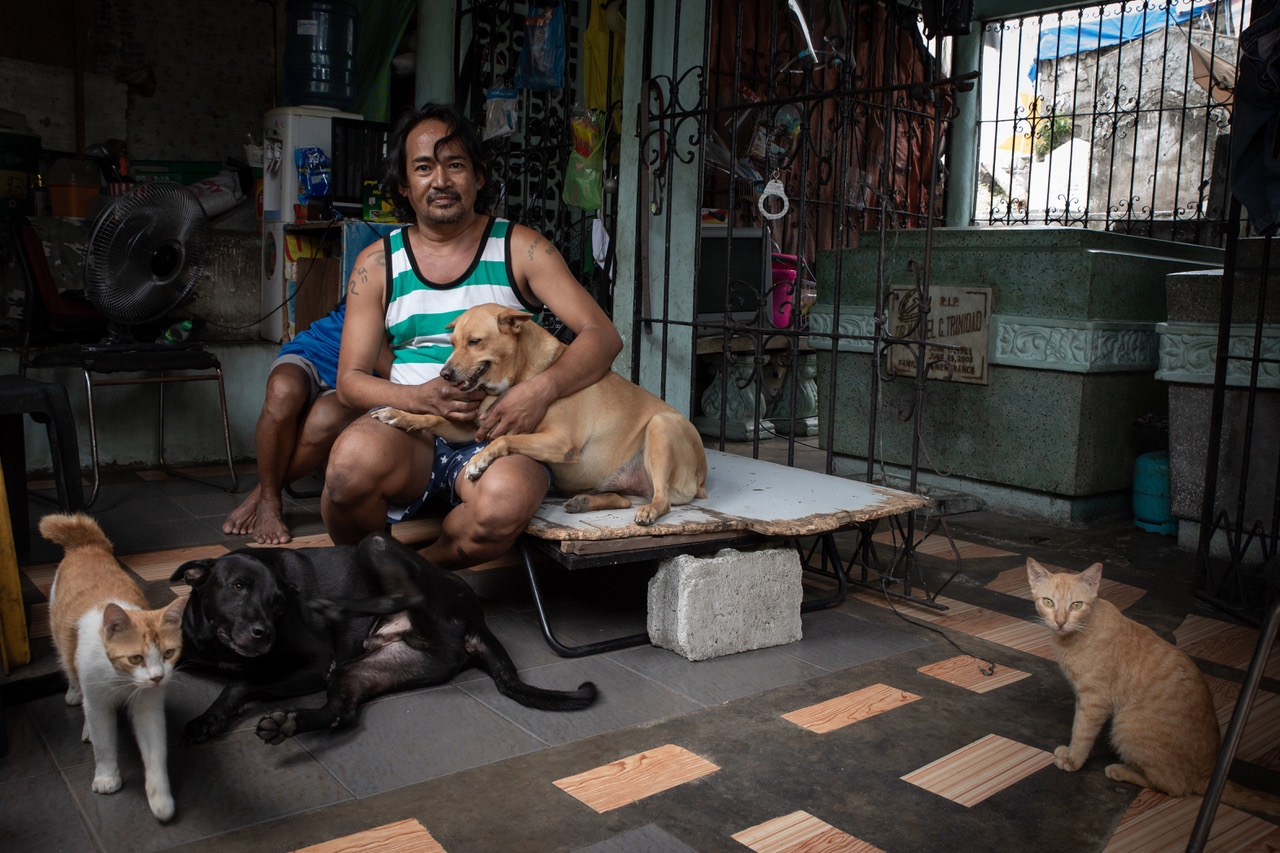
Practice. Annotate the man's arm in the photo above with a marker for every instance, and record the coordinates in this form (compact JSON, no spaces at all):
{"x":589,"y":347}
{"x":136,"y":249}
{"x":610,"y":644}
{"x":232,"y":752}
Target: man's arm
{"x":542,"y":273}
{"x":364,"y":348}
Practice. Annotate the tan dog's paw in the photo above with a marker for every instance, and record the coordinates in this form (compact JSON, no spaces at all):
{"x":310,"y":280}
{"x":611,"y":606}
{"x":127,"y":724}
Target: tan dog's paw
{"x":478,"y":464}
{"x":578,"y":503}
{"x":646,"y":515}
{"x":387,"y":415}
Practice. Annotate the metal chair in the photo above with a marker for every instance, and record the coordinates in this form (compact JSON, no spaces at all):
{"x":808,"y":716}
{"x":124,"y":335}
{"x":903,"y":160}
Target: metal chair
{"x":160,"y":360}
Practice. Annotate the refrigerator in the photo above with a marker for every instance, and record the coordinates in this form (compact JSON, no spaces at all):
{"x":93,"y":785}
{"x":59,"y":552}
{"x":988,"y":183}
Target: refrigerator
{"x":284,"y":130}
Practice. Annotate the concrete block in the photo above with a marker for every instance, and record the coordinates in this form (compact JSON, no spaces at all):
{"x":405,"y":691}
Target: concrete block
{"x":734,"y":601}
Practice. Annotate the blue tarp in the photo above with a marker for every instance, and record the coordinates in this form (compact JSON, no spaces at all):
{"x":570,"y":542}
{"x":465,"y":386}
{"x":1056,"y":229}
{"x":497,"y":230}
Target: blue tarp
{"x":1068,"y":40}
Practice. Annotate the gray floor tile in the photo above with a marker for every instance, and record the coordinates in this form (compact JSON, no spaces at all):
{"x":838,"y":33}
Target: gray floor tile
{"x":26,"y":756}
{"x":835,"y":640}
{"x":417,"y":736}
{"x":233,"y":782}
{"x":38,"y":815}
{"x":162,"y":535}
{"x":60,"y":724}
{"x":626,"y":699}
{"x":647,"y":839}
{"x":711,"y":682}
{"x":209,"y":504}
{"x":582,"y":622}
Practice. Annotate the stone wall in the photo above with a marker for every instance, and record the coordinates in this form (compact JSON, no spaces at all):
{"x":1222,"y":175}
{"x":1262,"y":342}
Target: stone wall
{"x":1146,"y":122}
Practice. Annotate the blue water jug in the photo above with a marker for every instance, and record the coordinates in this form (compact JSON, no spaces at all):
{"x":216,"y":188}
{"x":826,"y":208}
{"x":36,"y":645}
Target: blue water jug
{"x":320,"y":54}
{"x":1151,"y":510}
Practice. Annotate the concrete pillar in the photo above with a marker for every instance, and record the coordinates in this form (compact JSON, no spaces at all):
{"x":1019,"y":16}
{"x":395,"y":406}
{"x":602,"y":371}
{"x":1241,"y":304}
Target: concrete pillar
{"x":962,"y":154}
{"x":433,"y":79}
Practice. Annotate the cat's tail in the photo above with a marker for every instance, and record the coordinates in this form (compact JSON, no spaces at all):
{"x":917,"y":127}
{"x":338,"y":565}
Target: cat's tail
{"x":1255,"y":801}
{"x":74,"y":531}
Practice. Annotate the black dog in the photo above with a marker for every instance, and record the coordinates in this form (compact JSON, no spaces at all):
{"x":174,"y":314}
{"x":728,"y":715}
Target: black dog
{"x":302,"y":620}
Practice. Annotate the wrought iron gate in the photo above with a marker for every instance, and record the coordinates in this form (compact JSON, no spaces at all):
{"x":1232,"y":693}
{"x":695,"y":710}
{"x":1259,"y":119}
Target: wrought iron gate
{"x":805,"y":129}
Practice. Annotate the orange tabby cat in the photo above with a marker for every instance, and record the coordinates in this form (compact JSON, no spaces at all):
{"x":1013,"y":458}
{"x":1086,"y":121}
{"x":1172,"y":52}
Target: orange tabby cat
{"x":115,"y":651}
{"x":1163,"y":723}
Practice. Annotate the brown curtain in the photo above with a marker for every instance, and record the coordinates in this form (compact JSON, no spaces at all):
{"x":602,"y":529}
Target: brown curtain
{"x":864,"y":150}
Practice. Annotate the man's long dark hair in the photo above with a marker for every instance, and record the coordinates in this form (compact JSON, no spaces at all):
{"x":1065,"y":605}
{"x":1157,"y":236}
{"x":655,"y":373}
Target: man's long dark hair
{"x":460,"y":129}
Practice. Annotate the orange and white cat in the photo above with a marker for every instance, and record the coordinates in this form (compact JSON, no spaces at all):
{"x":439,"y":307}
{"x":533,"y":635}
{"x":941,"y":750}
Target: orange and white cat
{"x":1163,"y":723}
{"x":116,"y":653}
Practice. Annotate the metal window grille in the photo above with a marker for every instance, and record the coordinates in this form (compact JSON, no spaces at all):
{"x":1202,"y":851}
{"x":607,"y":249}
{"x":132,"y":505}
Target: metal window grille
{"x":1113,"y":116}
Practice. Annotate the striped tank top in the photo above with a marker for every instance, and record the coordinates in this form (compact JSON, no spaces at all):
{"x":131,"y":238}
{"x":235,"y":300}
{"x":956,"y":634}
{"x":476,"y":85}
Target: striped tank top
{"x":418,"y":310}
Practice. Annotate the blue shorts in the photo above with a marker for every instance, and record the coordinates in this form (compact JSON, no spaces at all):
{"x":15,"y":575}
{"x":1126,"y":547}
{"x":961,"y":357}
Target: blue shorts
{"x":449,"y":461}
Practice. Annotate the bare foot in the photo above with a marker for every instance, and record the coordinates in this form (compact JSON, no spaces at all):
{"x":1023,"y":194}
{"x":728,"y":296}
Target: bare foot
{"x":242,"y":518}
{"x":270,"y":528}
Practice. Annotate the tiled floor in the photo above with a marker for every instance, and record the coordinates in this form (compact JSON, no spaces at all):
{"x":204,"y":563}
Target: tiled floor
{"x":874,"y":732}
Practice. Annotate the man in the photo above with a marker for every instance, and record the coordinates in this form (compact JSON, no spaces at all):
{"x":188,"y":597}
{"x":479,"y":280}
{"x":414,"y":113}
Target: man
{"x":300,"y":419}
{"x":405,"y":290}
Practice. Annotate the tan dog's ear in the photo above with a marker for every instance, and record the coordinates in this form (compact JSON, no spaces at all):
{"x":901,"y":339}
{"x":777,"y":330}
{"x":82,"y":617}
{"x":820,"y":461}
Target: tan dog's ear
{"x":511,"y":320}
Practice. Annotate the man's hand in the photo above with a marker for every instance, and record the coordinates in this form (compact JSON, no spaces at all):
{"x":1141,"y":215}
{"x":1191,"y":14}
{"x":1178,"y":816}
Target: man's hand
{"x":517,"y":412}
{"x":438,"y":397}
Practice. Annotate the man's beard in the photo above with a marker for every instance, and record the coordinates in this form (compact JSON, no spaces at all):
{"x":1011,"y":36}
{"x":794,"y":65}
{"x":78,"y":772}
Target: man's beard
{"x":451,"y":215}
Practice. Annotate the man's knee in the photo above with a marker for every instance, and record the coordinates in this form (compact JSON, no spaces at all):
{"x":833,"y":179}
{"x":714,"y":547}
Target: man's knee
{"x":287,"y":395}
{"x":503,"y":506}
{"x":353,"y":469}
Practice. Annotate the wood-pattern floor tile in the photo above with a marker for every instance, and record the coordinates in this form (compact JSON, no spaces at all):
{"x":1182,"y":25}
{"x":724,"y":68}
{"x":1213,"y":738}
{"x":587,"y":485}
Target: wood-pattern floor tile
{"x":42,"y":575}
{"x":978,"y":621}
{"x":405,"y":836}
{"x":975,"y":772}
{"x":159,"y":565}
{"x":636,"y":777}
{"x":850,"y":708}
{"x":1030,"y":637}
{"x":1014,"y":582}
{"x":1260,"y":743}
{"x":38,"y":621}
{"x":966,"y":671}
{"x":801,"y":832}
{"x":1155,"y":823}
{"x":1223,"y":642}
{"x":915,"y":611}
{"x":937,"y":545}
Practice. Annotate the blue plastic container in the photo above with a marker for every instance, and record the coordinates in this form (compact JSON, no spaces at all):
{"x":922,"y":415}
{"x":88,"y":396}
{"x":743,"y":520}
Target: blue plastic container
{"x":320,"y":54}
{"x":1151,"y":509}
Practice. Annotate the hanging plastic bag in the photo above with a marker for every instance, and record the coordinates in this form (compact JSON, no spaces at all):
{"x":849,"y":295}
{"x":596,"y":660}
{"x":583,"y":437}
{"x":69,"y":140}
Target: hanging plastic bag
{"x":584,"y":180}
{"x":501,"y":112}
{"x":313,"y":173}
{"x":541,"y":64}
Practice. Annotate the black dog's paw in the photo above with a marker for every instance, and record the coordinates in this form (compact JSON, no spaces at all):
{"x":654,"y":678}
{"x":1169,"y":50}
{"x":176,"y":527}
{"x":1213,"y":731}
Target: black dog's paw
{"x":330,"y":610}
{"x":202,"y":728}
{"x":277,"y":727}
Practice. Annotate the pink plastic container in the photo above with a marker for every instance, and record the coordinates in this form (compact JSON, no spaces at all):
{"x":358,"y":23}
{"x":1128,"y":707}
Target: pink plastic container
{"x":784,"y":286}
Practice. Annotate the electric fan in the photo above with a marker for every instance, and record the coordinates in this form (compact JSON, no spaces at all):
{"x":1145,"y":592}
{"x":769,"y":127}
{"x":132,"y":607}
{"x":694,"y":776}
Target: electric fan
{"x":144,"y":256}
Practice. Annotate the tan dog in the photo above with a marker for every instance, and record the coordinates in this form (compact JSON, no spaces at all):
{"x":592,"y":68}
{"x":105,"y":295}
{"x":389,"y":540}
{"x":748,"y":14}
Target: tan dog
{"x":610,"y":437}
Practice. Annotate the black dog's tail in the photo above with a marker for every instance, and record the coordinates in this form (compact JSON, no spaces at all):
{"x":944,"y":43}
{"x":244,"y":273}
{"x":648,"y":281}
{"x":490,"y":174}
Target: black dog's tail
{"x":486,"y":649}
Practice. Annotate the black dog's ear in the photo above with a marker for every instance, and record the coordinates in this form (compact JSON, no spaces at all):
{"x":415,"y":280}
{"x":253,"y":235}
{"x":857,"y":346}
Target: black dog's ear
{"x":193,"y":572}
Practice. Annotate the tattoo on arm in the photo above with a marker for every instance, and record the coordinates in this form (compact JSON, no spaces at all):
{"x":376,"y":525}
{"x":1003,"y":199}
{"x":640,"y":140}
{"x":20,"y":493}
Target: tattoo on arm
{"x":360,"y":275}
{"x":536,"y":241}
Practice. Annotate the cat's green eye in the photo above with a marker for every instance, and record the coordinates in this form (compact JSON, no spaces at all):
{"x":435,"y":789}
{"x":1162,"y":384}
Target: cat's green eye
{"x":135,"y":659}
{"x":1076,"y":605}
{"x":1047,"y":602}
{"x":168,"y":653}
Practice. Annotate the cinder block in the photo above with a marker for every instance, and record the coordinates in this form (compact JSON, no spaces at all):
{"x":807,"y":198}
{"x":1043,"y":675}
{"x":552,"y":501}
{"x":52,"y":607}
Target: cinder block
{"x":734,"y":601}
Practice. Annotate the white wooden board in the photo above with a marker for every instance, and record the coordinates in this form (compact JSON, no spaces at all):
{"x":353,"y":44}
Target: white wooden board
{"x":742,"y":494}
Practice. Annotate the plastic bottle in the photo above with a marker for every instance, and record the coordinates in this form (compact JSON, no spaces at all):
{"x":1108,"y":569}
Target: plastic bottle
{"x":178,"y":332}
